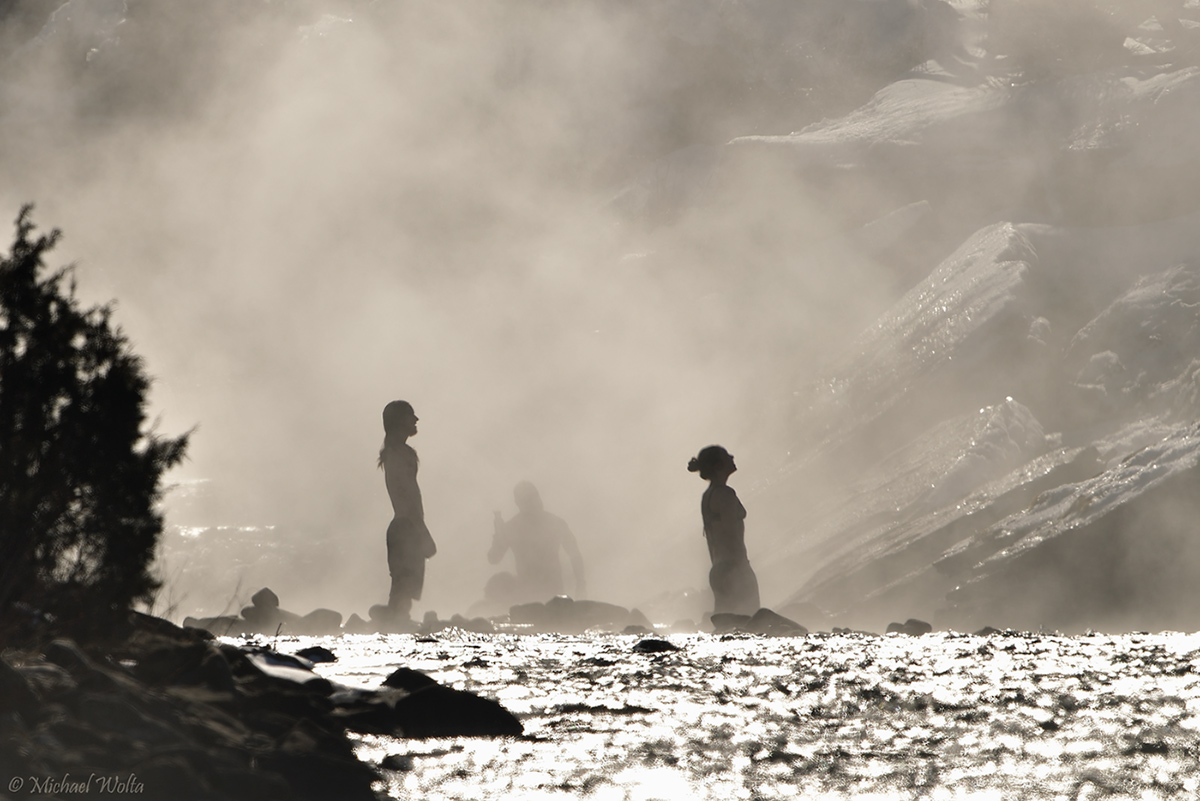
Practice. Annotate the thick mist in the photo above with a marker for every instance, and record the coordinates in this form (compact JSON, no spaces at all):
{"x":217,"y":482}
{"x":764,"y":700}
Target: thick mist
{"x":305,"y":211}
{"x":926,"y":268}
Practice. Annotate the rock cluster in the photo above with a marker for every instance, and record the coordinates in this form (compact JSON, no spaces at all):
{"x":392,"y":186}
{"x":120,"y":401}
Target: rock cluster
{"x":264,"y":616}
{"x":171,"y":711}
{"x":561,"y":614}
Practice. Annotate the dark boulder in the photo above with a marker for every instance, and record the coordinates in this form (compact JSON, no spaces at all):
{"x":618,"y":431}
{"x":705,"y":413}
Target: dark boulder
{"x":654,"y":646}
{"x":724,"y":622}
{"x":403,"y":678}
{"x":271,"y":619}
{"x":356,"y":625}
{"x":765,"y":621}
{"x":438,"y":711}
{"x":320,"y":621}
{"x":265,"y":599}
{"x":317,"y":653}
{"x":414,"y":705}
{"x":911,"y":627}
{"x":564,"y":614}
{"x":397,"y":762}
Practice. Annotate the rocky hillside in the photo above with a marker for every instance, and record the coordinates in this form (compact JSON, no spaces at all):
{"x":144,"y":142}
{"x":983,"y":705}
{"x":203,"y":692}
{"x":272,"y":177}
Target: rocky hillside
{"x":1015,"y":437}
{"x":1012,"y":435}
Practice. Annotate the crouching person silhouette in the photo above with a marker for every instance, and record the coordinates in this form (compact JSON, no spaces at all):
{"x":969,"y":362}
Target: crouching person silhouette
{"x":535,"y":538}
{"x":734,"y":585}
{"x":409,"y":543}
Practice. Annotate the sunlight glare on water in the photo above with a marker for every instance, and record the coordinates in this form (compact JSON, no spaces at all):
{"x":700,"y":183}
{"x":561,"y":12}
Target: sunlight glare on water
{"x":1010,"y":717}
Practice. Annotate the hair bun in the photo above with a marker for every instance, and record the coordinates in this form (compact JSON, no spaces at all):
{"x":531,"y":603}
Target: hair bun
{"x":693,"y":465}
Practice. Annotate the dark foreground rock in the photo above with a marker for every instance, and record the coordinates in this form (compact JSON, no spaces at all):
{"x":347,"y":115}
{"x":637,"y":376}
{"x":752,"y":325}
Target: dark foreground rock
{"x":413,"y":705}
{"x":180,"y":716}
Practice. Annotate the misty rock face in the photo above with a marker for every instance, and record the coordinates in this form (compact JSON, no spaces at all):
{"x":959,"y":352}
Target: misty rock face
{"x":1013,"y":438}
{"x":945,"y":252}
{"x":1140,"y":353}
{"x":994,"y":510}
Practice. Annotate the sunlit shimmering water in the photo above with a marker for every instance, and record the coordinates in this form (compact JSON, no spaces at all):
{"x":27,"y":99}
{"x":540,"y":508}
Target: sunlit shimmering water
{"x":942,"y":716}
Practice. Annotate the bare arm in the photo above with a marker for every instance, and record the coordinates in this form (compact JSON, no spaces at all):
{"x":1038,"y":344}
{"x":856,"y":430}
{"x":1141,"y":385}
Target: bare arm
{"x":572,"y":548}
{"x":500,"y":544}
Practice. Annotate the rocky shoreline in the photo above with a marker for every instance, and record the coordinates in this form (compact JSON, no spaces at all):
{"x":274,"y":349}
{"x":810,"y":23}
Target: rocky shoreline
{"x":558,"y":615}
{"x":162,"y":711}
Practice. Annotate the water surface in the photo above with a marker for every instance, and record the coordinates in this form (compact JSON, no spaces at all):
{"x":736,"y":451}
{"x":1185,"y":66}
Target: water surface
{"x":942,"y":716}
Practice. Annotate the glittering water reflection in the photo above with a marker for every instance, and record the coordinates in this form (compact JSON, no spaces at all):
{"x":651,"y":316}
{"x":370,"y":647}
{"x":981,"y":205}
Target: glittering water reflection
{"x":943,"y":716}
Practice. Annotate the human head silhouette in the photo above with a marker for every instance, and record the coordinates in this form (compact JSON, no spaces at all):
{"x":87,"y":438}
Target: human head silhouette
{"x":399,"y":419}
{"x":712,"y":461}
{"x":528,"y":499}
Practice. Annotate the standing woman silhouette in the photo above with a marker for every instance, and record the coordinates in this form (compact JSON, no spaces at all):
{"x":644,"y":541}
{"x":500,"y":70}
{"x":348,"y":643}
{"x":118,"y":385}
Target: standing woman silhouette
{"x":734,"y":585}
{"x":409,"y":543}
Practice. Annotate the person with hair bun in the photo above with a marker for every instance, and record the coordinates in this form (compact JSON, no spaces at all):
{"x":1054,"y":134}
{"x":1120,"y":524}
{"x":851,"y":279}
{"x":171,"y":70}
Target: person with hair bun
{"x":409,"y":543}
{"x":734,"y":585}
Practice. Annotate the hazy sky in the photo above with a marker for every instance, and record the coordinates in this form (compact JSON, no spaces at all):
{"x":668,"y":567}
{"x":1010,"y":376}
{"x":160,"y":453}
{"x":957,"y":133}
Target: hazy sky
{"x":524,"y":220}
{"x":305,"y":215}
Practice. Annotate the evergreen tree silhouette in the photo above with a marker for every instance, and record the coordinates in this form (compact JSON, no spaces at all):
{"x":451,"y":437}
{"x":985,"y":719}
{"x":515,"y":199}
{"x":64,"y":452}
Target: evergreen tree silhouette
{"x":79,"y":473}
